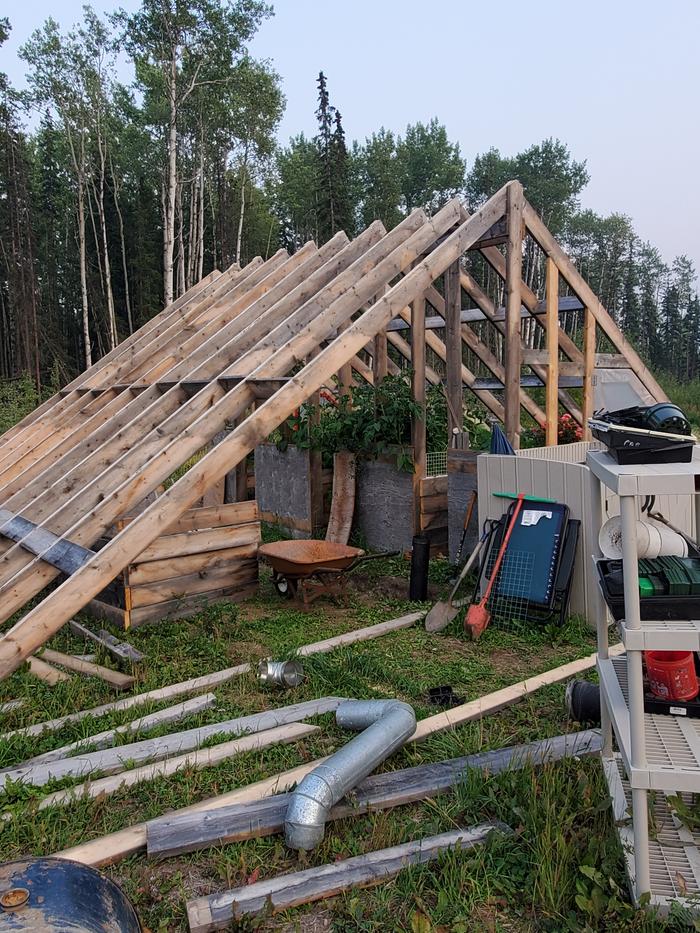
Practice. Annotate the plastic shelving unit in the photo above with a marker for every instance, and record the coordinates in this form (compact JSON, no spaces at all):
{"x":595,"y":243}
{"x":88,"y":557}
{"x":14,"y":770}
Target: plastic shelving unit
{"x":658,"y":753}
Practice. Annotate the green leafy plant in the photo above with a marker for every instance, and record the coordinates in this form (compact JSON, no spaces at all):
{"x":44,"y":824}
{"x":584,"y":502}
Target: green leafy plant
{"x":375,"y":420}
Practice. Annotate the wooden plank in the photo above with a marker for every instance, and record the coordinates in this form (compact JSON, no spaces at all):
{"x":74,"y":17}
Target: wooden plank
{"x":143,"y":724}
{"x":436,"y":503}
{"x":151,"y":327}
{"x":106,"y":613}
{"x":43,"y":671}
{"x":513,"y":339}
{"x":191,"y":605}
{"x":552,"y":390}
{"x":587,"y":296}
{"x":120,"y":649}
{"x":453,"y":347}
{"x":492,"y":702}
{"x":589,"y":339}
{"x":434,"y":485}
{"x":361,"y":634}
{"x":232,"y":513}
{"x":160,"y":436}
{"x":216,"y":911}
{"x":175,"y":567}
{"x":202,"y":758}
{"x":110,"y":760}
{"x":114,"y":678}
{"x":203,"y":581}
{"x":190,"y":831}
{"x":418,"y":426}
{"x":10,"y":706}
{"x":110,"y":849}
{"x":352,"y":252}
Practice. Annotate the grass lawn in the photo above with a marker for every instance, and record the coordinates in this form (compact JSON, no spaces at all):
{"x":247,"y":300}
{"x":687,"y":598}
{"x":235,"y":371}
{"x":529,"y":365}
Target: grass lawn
{"x":561,"y":870}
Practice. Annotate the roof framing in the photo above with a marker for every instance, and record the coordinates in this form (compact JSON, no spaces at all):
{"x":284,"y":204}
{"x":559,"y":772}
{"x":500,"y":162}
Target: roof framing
{"x":87,"y":456}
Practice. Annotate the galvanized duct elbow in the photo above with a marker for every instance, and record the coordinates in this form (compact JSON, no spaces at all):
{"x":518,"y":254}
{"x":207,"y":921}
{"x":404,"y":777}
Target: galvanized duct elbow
{"x":386,"y":725}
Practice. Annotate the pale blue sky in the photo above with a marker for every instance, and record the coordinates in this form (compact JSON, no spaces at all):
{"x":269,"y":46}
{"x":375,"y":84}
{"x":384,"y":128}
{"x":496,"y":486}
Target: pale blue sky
{"x":617,"y":80}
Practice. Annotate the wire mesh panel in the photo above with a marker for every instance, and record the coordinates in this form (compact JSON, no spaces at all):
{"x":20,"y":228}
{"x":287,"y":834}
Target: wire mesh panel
{"x":509,"y":601}
{"x":436,"y":463}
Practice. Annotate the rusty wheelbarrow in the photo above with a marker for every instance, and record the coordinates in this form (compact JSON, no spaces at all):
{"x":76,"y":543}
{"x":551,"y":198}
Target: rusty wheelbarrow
{"x":313,"y":568}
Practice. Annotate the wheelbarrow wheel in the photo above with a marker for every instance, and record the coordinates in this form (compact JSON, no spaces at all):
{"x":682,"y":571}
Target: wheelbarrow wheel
{"x":286,"y":588}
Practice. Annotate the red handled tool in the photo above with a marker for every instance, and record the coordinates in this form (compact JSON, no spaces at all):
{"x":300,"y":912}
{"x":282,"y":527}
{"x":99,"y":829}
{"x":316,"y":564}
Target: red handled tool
{"x":478,"y":616}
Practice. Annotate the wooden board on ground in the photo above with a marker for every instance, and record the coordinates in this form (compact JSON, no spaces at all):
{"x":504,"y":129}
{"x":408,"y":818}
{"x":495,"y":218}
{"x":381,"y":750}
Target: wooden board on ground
{"x":120,"y":649}
{"x":201,"y":758}
{"x":108,"y":737}
{"x":216,"y":911}
{"x":114,"y":678}
{"x":43,"y":671}
{"x":175,"y":834}
{"x":109,"y":760}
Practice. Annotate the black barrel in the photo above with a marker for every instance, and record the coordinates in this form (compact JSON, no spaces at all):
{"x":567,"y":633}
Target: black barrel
{"x":420,"y":562}
{"x":54,"y":894}
{"x":583,"y":701}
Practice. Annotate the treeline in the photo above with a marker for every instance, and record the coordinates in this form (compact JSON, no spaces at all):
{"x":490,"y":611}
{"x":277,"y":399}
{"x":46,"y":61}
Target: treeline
{"x":114,"y":199}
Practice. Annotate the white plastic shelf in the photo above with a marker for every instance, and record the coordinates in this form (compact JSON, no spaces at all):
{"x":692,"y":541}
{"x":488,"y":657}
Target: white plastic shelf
{"x":662,"y":635}
{"x":672,"y":742}
{"x":650,"y":479}
{"x":674,"y":858}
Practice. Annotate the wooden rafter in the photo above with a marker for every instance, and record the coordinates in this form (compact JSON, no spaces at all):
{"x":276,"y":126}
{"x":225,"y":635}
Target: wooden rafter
{"x":244,"y":348}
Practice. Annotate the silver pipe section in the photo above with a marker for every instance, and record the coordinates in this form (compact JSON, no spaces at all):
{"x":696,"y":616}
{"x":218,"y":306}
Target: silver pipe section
{"x":385,"y":726}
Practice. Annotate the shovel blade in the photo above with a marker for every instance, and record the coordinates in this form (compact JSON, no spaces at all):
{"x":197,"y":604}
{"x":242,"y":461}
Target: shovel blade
{"x":440,"y":616}
{"x":476,"y":621}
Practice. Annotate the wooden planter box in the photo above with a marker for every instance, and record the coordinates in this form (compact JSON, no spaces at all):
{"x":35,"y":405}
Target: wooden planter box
{"x":208,"y":555}
{"x":384,"y":507}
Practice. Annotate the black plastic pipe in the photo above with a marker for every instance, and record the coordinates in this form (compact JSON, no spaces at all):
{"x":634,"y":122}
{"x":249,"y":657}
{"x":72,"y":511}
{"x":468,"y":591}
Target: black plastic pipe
{"x":420,"y":562}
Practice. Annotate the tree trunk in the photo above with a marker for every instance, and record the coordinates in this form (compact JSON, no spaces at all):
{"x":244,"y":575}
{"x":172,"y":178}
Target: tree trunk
{"x":180,"y":245}
{"x":200,"y":240}
{"x":239,"y":236}
{"x":125,"y":268}
{"x":83,"y":273}
{"x":169,"y":218}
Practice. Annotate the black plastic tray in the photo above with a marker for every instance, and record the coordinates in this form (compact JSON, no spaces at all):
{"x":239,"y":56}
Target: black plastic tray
{"x":628,"y":447}
{"x":650,"y":607}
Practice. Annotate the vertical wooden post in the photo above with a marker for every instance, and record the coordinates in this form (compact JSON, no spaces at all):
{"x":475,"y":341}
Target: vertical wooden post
{"x":380,"y":358}
{"x":453,"y":347}
{"x":345,"y":371}
{"x":514,"y":266}
{"x":552,"y":394}
{"x":589,"y":335}
{"x":418,"y":431}
{"x":315,"y":464}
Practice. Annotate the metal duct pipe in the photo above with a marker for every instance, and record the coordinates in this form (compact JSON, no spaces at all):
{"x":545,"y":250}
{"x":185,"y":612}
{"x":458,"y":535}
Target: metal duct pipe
{"x":386,"y":725}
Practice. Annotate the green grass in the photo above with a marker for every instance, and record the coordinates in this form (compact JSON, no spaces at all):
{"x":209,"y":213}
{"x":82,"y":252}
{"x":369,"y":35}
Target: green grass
{"x":686,"y":395}
{"x":560,"y":870}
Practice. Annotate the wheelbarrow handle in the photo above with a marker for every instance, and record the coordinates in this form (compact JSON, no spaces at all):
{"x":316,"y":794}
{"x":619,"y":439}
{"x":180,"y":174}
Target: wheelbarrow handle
{"x":365,"y":557}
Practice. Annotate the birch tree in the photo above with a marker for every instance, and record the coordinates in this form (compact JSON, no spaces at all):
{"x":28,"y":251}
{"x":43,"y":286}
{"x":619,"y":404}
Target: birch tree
{"x":179,"y":47}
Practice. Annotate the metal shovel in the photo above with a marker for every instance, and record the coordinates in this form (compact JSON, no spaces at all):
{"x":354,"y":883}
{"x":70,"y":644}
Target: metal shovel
{"x":443,"y":613}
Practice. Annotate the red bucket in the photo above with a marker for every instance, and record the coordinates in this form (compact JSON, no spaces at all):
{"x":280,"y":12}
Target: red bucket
{"x":672,"y":674}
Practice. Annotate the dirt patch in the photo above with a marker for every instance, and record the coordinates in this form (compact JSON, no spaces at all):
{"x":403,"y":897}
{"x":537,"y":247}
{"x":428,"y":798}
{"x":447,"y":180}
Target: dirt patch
{"x":368,"y":588}
{"x":246,"y":649}
{"x":508,"y":661}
